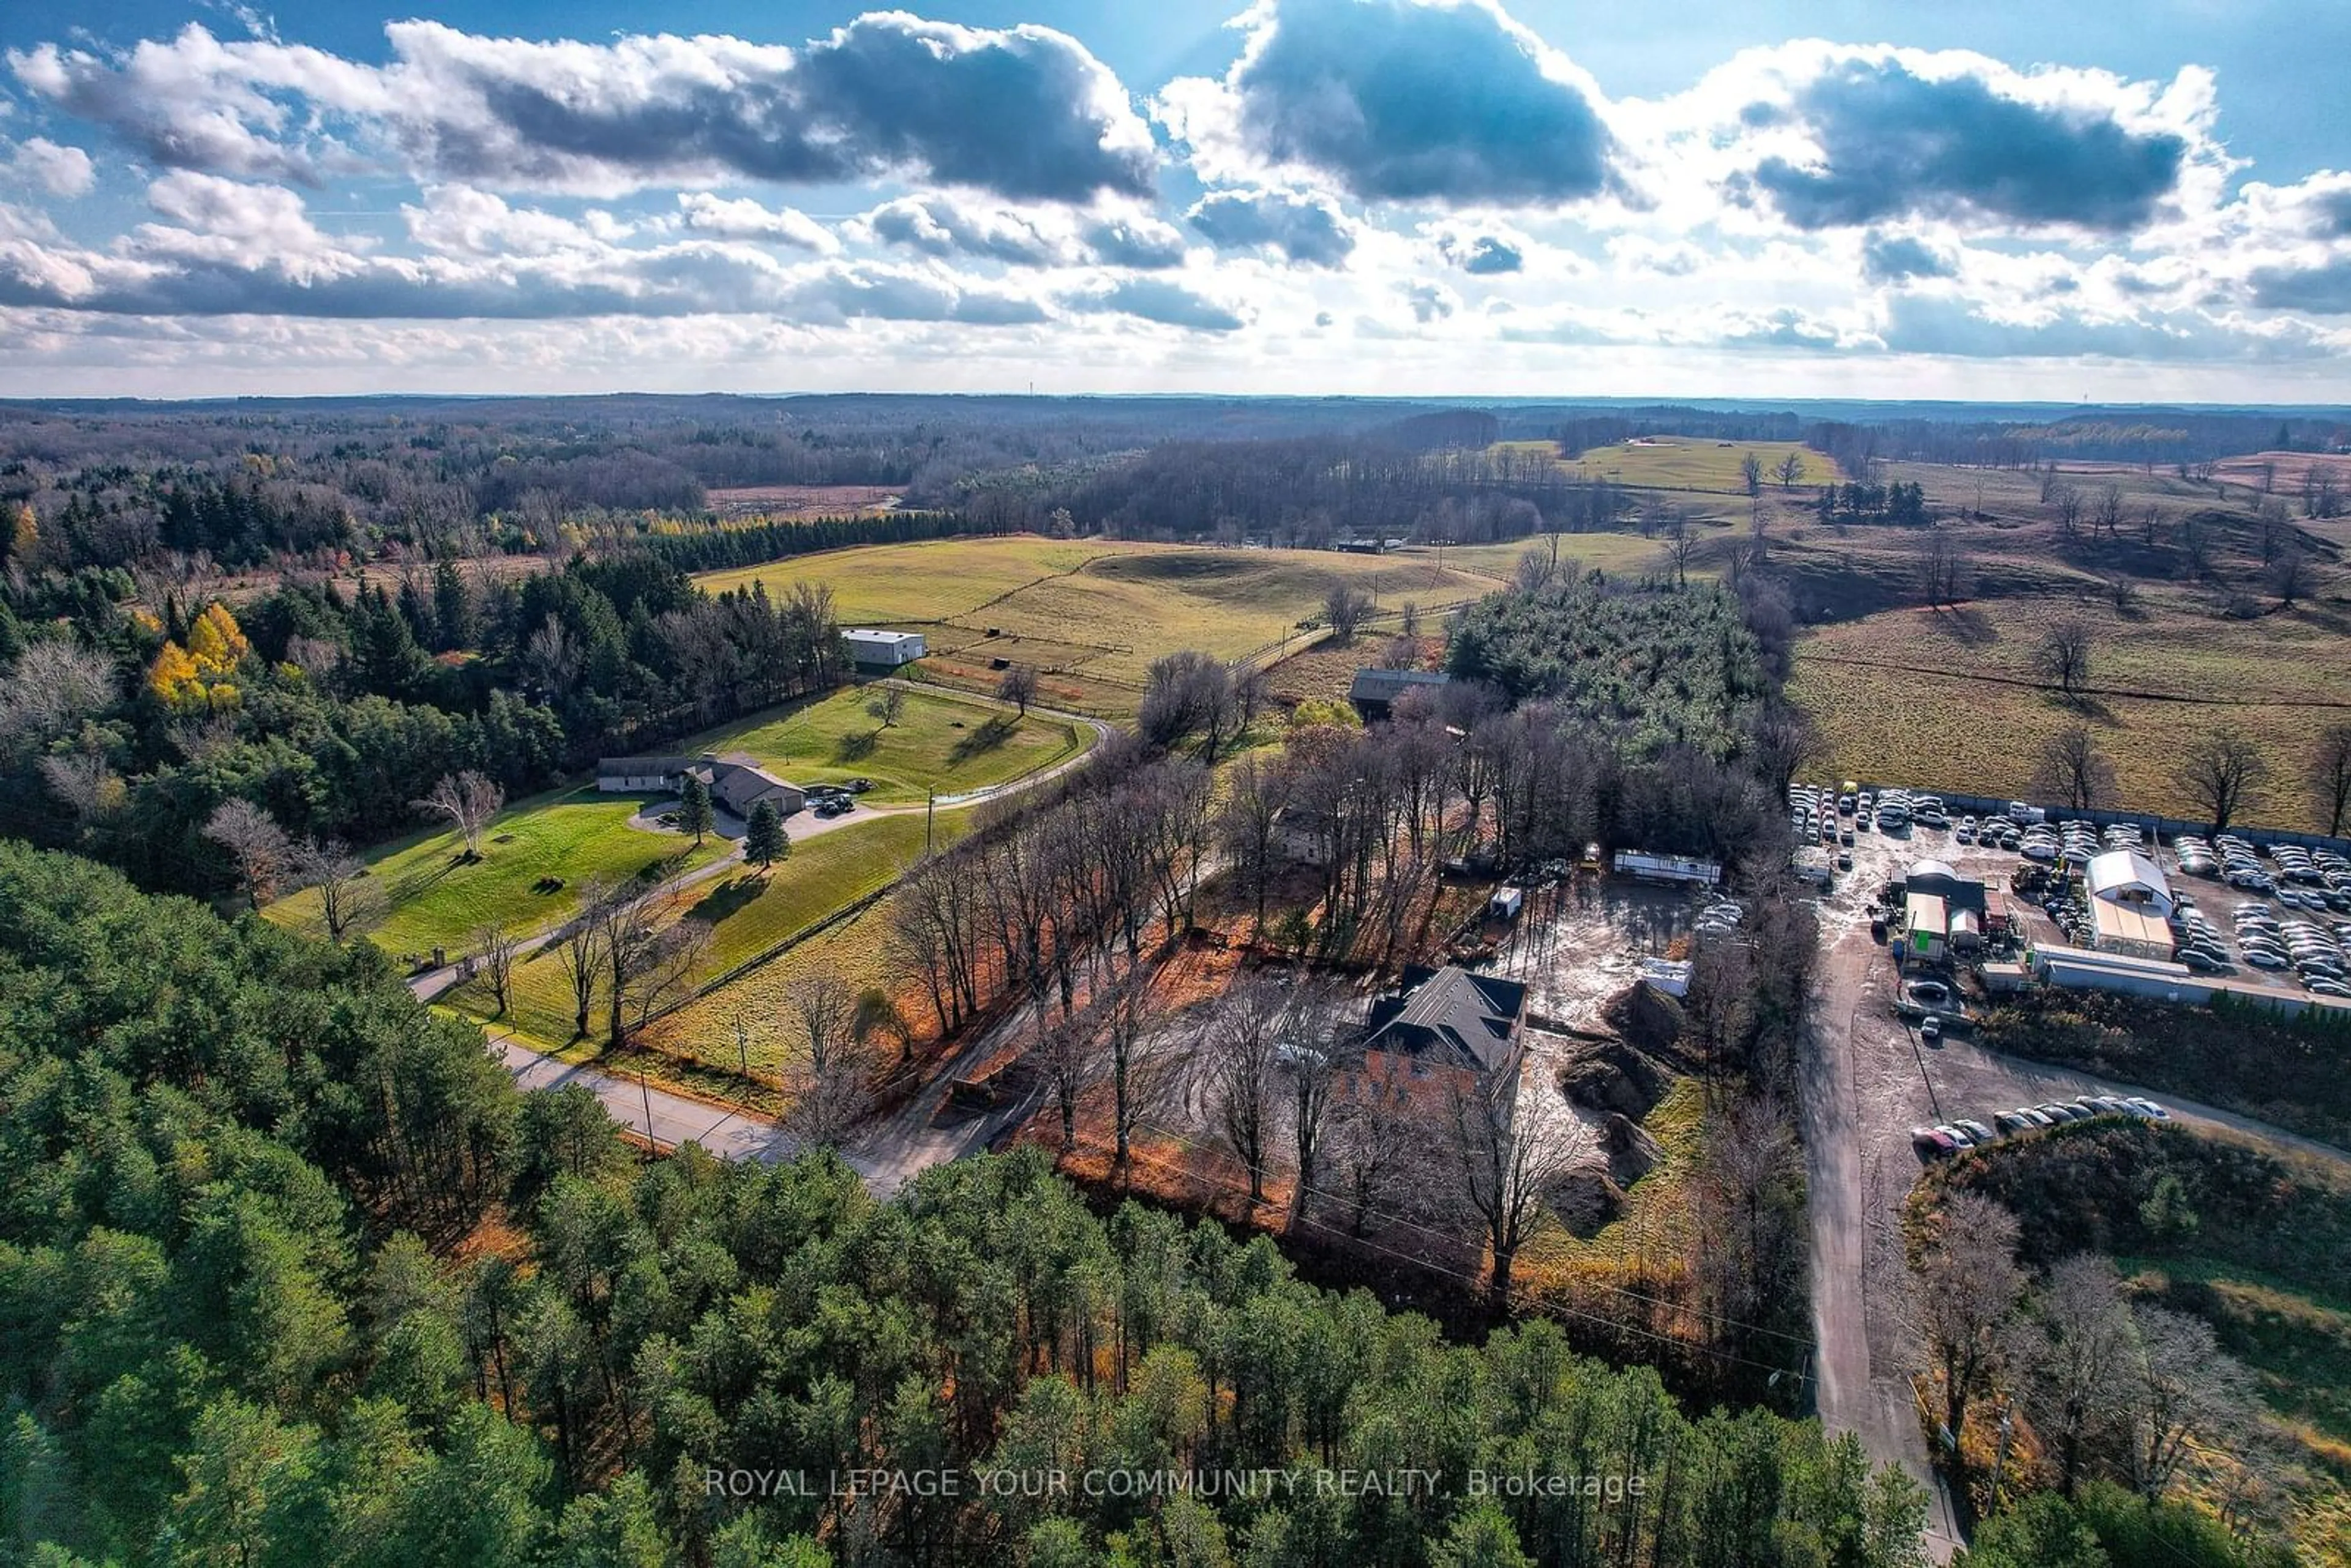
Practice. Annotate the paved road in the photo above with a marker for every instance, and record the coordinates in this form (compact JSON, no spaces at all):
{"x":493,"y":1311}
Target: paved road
{"x":673,"y":1119}
{"x":1867,"y":1080}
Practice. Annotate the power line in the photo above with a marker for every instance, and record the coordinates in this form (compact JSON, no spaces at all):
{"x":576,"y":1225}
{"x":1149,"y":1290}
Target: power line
{"x":1535,"y":1303}
{"x":1392,"y":1218}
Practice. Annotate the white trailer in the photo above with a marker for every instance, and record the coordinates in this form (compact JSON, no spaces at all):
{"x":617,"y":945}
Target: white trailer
{"x":1645,"y":867}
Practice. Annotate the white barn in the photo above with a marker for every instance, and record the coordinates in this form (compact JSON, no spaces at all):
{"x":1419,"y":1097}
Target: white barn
{"x":871,"y":650}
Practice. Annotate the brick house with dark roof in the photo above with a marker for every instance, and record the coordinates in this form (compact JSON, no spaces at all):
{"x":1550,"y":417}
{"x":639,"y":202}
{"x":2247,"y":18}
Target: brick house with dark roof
{"x":1445,"y":1029}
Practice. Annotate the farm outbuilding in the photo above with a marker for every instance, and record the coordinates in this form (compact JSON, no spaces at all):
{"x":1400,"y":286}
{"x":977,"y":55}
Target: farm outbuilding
{"x":873,"y":649}
{"x":1375,"y":691}
{"x":2130,"y":904}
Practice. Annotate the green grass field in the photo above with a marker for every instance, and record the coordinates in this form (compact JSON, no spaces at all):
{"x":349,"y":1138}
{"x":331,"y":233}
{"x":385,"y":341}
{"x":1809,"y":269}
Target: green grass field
{"x":1692,"y":463}
{"x":940,"y":741}
{"x":747,"y":915}
{"x":1094,"y":615}
{"x":431,"y":900}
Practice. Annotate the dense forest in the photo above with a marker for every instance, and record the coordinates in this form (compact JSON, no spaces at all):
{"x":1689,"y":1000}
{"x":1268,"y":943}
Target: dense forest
{"x":290,"y":1274}
{"x":123,"y":727}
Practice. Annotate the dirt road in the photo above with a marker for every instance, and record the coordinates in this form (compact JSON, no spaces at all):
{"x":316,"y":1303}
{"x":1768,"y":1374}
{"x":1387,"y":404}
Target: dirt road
{"x":1868,"y":1079}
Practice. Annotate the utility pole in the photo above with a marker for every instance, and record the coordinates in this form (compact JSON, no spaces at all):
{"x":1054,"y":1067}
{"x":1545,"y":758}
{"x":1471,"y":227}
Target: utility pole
{"x":930,"y":816}
{"x":646,"y":1090}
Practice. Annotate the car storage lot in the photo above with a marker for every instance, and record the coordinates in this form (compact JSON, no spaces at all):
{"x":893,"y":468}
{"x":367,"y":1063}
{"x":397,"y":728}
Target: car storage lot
{"x":1868,"y":1079}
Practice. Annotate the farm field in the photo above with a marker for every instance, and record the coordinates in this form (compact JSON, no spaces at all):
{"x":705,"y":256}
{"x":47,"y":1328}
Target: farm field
{"x":535,"y":857}
{"x":1092,"y":615}
{"x":940,"y":742}
{"x":800,"y":502}
{"x":747,"y":915}
{"x":1947,"y":697}
{"x":1690,"y":462}
{"x":1615,"y":553}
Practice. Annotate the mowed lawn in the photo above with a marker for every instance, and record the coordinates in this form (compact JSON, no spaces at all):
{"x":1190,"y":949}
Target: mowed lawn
{"x":1692,"y":463}
{"x":748,"y":914}
{"x":940,"y":741}
{"x":432,"y":899}
{"x":1094,"y":614}
{"x":1902,"y":697}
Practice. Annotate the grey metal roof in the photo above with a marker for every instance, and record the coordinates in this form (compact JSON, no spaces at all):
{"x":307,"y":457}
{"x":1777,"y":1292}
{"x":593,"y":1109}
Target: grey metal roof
{"x":1387,"y":685}
{"x":1449,"y":1015}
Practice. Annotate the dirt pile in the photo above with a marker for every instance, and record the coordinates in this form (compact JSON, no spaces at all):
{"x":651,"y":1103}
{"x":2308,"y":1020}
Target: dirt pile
{"x":1611,"y":1077}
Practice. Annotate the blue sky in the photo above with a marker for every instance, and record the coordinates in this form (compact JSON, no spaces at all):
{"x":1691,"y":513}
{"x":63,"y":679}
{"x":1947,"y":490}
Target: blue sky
{"x":2001,"y":201}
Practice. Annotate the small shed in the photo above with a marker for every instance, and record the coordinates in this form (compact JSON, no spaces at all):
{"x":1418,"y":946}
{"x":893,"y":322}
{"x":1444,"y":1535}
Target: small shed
{"x":1506,"y":903}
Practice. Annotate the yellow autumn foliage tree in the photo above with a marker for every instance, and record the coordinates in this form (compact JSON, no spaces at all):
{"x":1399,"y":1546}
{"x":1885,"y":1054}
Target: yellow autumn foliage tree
{"x":198,"y":674}
{"x":216,"y":642}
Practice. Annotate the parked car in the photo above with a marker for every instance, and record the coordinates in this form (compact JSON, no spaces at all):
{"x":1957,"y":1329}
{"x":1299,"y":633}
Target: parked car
{"x":1933,"y":1143}
{"x":1976,"y":1129}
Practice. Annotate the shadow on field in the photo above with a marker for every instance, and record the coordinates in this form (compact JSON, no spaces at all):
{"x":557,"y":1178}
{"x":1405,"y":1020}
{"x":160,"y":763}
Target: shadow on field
{"x":734,"y":894}
{"x":986,"y":738}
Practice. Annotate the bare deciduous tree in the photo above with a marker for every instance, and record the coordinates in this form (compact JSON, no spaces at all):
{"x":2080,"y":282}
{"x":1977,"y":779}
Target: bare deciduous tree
{"x":85,"y":781}
{"x":2290,"y":577}
{"x":1256,"y":791}
{"x":1065,"y":1054}
{"x":1943,"y":570}
{"x":2110,"y":510}
{"x":2223,"y":772}
{"x":1509,"y":1144}
{"x":579,"y":949}
{"x":1968,"y":1283}
{"x":2070,"y":1353}
{"x":1375,"y":1140}
{"x":1244,"y":1041}
{"x":1781,"y":740}
{"x":2330,"y":776}
{"x":469,"y":799}
{"x":2068,"y":501}
{"x":2180,"y":1392}
{"x":2063,"y":655}
{"x":1789,"y":470}
{"x":1346,"y":609}
{"x":1751,"y":474}
{"x":829,"y":1082}
{"x":254,"y":841}
{"x":1318,"y":1039}
{"x":552,"y":659}
{"x":1019,"y":687}
{"x":497,"y":947}
{"x":54,"y":686}
{"x":347,"y":895}
{"x":1139,"y":1070}
{"x":2073,"y":770}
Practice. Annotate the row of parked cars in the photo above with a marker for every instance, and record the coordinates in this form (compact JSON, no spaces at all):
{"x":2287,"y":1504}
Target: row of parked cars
{"x":2316,"y":880}
{"x":836,"y":800}
{"x":1951,"y":1137}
